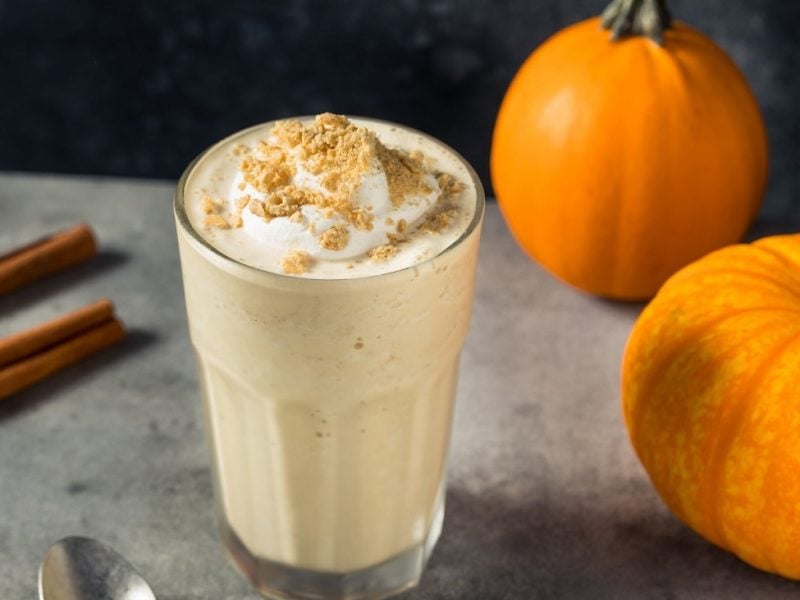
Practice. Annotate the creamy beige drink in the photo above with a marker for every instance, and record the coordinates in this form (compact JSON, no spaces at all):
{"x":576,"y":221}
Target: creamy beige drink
{"x":328,"y":269}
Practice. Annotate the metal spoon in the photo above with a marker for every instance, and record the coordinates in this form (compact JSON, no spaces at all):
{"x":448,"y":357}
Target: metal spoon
{"x":79,"y":568}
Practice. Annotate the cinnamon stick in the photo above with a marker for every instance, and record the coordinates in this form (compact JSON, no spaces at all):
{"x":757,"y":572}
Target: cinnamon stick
{"x":47,"y":334}
{"x":46,"y":256}
{"x":36,"y":367}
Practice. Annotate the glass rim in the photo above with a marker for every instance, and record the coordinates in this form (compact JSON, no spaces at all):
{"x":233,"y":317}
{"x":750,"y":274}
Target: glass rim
{"x":182,"y":218}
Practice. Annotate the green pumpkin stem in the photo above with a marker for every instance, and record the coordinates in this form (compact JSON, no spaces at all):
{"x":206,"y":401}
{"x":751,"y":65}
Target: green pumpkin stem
{"x":637,"y":17}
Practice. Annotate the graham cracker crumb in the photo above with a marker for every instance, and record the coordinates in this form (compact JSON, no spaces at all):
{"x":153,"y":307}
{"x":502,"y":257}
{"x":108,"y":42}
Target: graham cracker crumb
{"x":289,"y":132}
{"x":382,"y":253}
{"x":271,"y":153}
{"x":395,"y":238}
{"x":450,"y":186}
{"x":401,"y":226}
{"x":257,"y":208}
{"x":287,"y":200}
{"x":332,"y":147}
{"x":438,"y":221}
{"x":215,"y":220}
{"x":361,"y":219}
{"x":405,"y":174}
{"x":240,"y":149}
{"x":241,"y":185}
{"x":334,"y":238}
{"x":297,"y":262}
{"x":243,"y":201}
{"x":427,"y":162}
{"x":296,"y":217}
{"x":208,"y":205}
{"x":265,"y":175}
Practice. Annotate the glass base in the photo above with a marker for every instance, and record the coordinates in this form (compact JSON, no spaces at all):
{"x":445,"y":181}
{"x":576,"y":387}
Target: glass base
{"x":279,"y":581}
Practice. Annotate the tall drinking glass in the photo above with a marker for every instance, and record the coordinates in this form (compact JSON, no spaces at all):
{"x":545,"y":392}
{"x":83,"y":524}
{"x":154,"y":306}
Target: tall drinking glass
{"x":329,"y":403}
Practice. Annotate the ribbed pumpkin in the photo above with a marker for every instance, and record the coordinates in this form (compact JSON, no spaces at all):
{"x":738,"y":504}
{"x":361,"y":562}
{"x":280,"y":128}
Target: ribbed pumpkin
{"x":616,"y":162}
{"x":711,"y":396}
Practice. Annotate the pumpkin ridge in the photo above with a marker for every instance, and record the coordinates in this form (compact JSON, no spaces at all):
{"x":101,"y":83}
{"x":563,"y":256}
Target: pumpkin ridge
{"x":655,"y":371}
{"x":791,"y":266}
{"x":710,"y":486}
{"x":571,"y":266}
{"x":682,"y":75}
{"x":727,"y":270}
{"x":705,"y":520}
{"x":624,"y":259}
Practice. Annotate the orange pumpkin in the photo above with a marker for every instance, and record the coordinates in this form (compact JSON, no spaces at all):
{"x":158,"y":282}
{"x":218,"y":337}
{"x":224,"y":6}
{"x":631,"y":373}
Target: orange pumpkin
{"x":616,"y":162}
{"x":712,"y":403}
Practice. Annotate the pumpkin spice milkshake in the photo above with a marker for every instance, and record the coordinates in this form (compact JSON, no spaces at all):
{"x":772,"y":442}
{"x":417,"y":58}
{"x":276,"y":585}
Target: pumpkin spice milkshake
{"x":328,"y":266}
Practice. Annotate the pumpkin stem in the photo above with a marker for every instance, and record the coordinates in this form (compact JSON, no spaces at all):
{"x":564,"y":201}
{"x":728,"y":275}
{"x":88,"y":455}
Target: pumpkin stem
{"x":637,"y":17}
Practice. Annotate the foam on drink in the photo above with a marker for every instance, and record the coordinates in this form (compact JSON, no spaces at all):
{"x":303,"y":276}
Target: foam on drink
{"x":329,"y":199}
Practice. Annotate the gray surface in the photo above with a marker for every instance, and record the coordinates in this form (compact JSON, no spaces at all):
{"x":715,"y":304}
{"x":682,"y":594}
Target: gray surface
{"x":546,"y":499}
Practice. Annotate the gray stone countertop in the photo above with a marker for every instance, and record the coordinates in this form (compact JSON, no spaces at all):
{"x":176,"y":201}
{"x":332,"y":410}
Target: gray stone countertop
{"x":545,"y":499}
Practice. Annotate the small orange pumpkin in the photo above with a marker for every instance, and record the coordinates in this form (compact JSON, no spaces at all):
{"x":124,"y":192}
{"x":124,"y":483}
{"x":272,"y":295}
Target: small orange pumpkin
{"x":712,"y":403}
{"x":617,"y":161}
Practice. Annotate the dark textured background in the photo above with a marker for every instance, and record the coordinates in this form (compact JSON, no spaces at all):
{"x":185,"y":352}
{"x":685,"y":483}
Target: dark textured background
{"x":139,"y":88}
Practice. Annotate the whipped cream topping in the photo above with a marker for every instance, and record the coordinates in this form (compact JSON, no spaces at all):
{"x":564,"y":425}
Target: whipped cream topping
{"x":329,"y":199}
{"x":302,"y":231}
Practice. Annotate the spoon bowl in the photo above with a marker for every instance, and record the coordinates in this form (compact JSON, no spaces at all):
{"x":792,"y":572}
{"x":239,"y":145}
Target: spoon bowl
{"x":79,"y":568}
